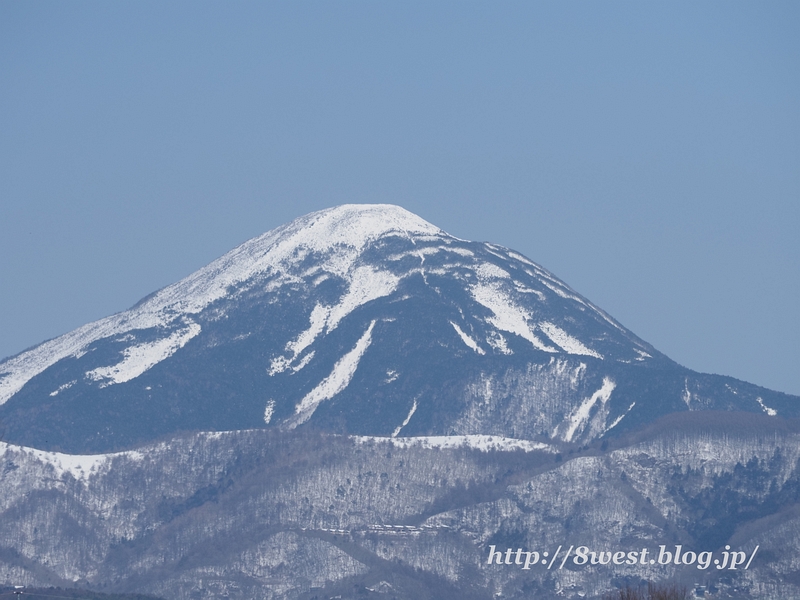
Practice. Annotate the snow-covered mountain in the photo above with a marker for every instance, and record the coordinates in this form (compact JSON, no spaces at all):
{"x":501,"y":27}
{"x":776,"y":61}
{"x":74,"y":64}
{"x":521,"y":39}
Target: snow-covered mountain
{"x":359,"y":405}
{"x":360,"y":319}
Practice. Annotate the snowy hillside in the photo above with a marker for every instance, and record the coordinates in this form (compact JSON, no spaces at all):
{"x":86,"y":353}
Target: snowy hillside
{"x":276,"y":515}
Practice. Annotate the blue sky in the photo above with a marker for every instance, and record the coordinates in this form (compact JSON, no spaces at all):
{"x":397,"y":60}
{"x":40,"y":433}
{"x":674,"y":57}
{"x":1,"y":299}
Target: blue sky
{"x":646,"y":153}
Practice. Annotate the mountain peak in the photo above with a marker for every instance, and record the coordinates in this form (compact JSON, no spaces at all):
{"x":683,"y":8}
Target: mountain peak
{"x":354,"y":225}
{"x":340,"y":233}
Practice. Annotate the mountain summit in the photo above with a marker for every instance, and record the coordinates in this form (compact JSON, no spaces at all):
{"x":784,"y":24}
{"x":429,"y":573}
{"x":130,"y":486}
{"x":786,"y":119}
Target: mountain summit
{"x":359,"y":319}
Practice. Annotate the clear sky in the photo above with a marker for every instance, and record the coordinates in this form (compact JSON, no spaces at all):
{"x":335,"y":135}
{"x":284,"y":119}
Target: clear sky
{"x":648,"y":153}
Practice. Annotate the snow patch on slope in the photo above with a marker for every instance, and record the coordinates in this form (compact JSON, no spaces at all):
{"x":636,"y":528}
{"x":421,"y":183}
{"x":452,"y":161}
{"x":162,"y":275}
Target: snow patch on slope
{"x":509,"y":316}
{"x":407,"y":419}
{"x":269,"y":410}
{"x":506,"y":314}
{"x":489,"y":270}
{"x":619,"y":418}
{"x":79,"y":466}
{"x":138,"y":359}
{"x":484,"y":443}
{"x":318,"y":318}
{"x":472,"y":344}
{"x":366,"y":284}
{"x":338,"y":380}
{"x":498,"y":342}
{"x":580,"y":416}
{"x":419,"y":253}
{"x":63,"y":387}
{"x":566,"y":341}
{"x":770,"y":411}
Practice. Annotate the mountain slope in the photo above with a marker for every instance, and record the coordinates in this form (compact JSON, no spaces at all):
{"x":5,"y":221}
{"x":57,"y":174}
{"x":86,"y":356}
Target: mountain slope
{"x":359,"y":319}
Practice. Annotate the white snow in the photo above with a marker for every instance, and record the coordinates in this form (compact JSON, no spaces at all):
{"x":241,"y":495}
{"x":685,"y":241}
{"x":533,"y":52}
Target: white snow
{"x":304,"y":361}
{"x":79,"y":466}
{"x":460,"y":251}
{"x":269,"y":410}
{"x":334,"y":383}
{"x":580,"y":416}
{"x":498,"y":342}
{"x":408,"y":418}
{"x":566,"y":341}
{"x":420,"y":253}
{"x":63,"y":387}
{"x":507,"y":315}
{"x":138,"y":359}
{"x":577,"y":373}
{"x":770,"y":411}
{"x":317,"y":322}
{"x":522,"y":258}
{"x":619,"y":418}
{"x":525,"y":290}
{"x":485,"y":443}
{"x":556,"y":287}
{"x":472,"y":344}
{"x":318,"y":318}
{"x":489,"y":270}
{"x":366,"y":284}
